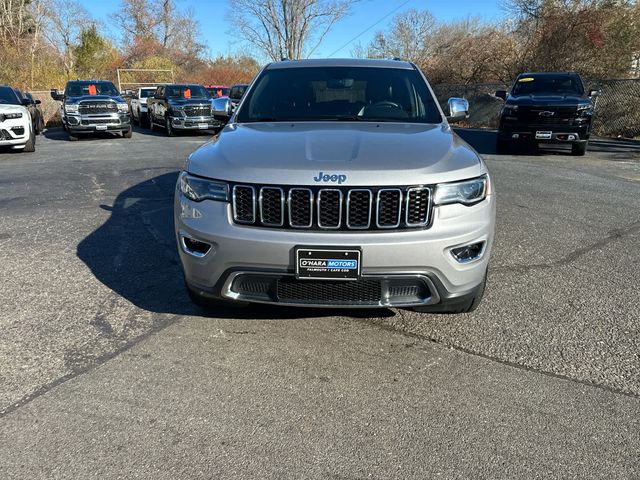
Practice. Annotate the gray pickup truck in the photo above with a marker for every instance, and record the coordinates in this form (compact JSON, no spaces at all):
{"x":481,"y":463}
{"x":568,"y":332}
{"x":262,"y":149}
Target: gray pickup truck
{"x":346,"y":189}
{"x":90,"y":106}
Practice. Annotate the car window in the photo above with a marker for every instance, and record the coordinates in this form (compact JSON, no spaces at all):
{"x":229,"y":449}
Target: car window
{"x":340,"y":93}
{"x":77,"y":89}
{"x":553,"y":84}
{"x":237,"y":92}
{"x":186,"y":91}
{"x":8,"y":96}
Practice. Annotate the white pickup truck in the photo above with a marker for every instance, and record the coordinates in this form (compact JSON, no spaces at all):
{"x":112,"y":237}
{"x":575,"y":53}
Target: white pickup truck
{"x":139,"y":105}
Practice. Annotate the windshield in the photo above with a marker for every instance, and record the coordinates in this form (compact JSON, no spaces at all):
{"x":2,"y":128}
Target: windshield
{"x":78,"y":89}
{"x":554,"y":84}
{"x":8,"y":96}
{"x":147,"y":92}
{"x":186,"y":91}
{"x":340,"y":93}
{"x":218,"y":92}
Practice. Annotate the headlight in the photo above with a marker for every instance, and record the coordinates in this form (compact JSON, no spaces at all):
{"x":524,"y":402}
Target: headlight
{"x":510,"y":110}
{"x":198,"y":189}
{"x":467,"y":192}
{"x":13,"y":115}
{"x":585,"y":110}
{"x":71,"y":108}
{"x":123,"y":107}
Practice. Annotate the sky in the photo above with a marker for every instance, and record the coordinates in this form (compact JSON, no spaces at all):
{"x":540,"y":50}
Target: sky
{"x":367,"y":16}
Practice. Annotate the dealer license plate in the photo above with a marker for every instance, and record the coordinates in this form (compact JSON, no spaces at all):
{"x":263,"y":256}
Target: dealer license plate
{"x":327,"y":263}
{"x":101,"y":127}
{"x":543,"y":135}
{"x":203,"y":126}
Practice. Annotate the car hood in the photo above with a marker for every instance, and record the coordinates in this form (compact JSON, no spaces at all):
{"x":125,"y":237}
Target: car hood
{"x":9,"y":108}
{"x":193,"y":101}
{"x":368,"y":154}
{"x":71,"y":100}
{"x":548,"y":100}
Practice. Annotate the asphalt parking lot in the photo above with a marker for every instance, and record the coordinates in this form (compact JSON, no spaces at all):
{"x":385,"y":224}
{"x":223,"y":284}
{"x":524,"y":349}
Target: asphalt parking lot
{"x":108,"y":371}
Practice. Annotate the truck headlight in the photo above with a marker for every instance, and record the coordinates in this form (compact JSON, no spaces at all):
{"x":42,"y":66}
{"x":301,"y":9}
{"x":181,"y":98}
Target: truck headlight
{"x":585,"y":110}
{"x":198,"y":189}
{"x":123,"y":107}
{"x":71,"y":108}
{"x":13,"y":115}
{"x":467,"y":192}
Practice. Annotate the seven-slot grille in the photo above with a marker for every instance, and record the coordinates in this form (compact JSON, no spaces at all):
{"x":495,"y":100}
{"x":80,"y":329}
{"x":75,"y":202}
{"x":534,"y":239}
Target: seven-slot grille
{"x":95,"y":106}
{"x":197,"y":110}
{"x":332,"y":208}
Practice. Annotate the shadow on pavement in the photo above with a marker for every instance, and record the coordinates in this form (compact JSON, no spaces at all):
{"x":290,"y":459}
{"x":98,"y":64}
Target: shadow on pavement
{"x":484,"y":141}
{"x":135,"y":255}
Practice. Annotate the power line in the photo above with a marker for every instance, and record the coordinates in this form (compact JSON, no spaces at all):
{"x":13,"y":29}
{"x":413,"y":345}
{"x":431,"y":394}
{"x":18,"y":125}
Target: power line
{"x":370,"y":27}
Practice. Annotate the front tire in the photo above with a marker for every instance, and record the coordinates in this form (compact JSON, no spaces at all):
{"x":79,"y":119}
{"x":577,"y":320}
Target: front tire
{"x":170,"y":131}
{"x":30,"y":146}
{"x":502,"y":146}
{"x":579,"y":149}
{"x":128,"y":133}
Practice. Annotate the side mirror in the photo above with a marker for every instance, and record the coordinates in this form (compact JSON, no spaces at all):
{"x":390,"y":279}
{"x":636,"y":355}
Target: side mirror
{"x":501,"y":94}
{"x":38,"y":102}
{"x":458,"y":109}
{"x":26,"y":102}
{"x":594,"y":93}
{"x":56,"y":95}
{"x":222,"y":107}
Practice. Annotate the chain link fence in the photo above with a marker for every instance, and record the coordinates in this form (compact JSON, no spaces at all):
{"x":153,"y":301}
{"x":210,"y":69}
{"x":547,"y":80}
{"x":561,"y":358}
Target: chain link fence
{"x":617,"y":111}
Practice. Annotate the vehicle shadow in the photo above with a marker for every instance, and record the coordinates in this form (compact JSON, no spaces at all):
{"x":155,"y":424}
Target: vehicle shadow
{"x":58,"y":133}
{"x":160,"y":132}
{"x":484,"y":142}
{"x":134,"y":253}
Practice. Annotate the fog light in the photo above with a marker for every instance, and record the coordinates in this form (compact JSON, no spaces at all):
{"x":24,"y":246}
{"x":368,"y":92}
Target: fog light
{"x":572,"y":137}
{"x":468,"y":253}
{"x":194,"y":247}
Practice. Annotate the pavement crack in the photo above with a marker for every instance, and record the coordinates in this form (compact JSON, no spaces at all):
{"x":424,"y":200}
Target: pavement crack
{"x":88,"y":367}
{"x":469,"y":351}
{"x":612,"y":235}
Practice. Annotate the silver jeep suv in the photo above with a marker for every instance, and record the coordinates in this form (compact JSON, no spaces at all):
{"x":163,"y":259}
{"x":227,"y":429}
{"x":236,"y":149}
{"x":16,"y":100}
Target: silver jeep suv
{"x":337,"y":183}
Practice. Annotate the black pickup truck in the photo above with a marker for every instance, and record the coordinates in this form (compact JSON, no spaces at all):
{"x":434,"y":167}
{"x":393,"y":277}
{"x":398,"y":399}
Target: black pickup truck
{"x":90,"y":106}
{"x":181,"y":107}
{"x":546,"y":108}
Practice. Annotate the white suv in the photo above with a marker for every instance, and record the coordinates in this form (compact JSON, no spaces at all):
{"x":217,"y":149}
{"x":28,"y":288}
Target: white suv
{"x":16,"y":129}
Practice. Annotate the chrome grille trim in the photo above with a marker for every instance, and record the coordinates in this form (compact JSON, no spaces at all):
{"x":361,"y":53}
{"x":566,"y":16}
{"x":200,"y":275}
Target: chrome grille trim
{"x":253,"y":202}
{"x":319,"y":203}
{"x":399,"y":213}
{"x":260,"y":203}
{"x":407,"y":206}
{"x":291,"y":190}
{"x":370,"y":193}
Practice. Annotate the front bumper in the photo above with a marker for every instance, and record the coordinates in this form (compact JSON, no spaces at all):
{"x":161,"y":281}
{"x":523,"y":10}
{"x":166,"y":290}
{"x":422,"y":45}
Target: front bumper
{"x":195,"y":123}
{"x":421,"y":255}
{"x":14,"y":132}
{"x":513,"y":131}
{"x":118,"y":122}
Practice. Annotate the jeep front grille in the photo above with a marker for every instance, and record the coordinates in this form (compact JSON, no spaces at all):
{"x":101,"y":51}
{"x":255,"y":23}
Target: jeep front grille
{"x":95,"y":106}
{"x":375,"y":208}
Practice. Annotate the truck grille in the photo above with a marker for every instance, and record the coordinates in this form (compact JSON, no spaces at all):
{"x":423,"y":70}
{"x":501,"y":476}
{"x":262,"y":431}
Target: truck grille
{"x":373,"y":208}
{"x":547,"y":115}
{"x":197,"y":110}
{"x":94,"y":106}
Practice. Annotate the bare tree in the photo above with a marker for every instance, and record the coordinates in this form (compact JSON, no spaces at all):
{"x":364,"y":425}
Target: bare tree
{"x":63,"y":22}
{"x":287,"y":28}
{"x":409,"y":37}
